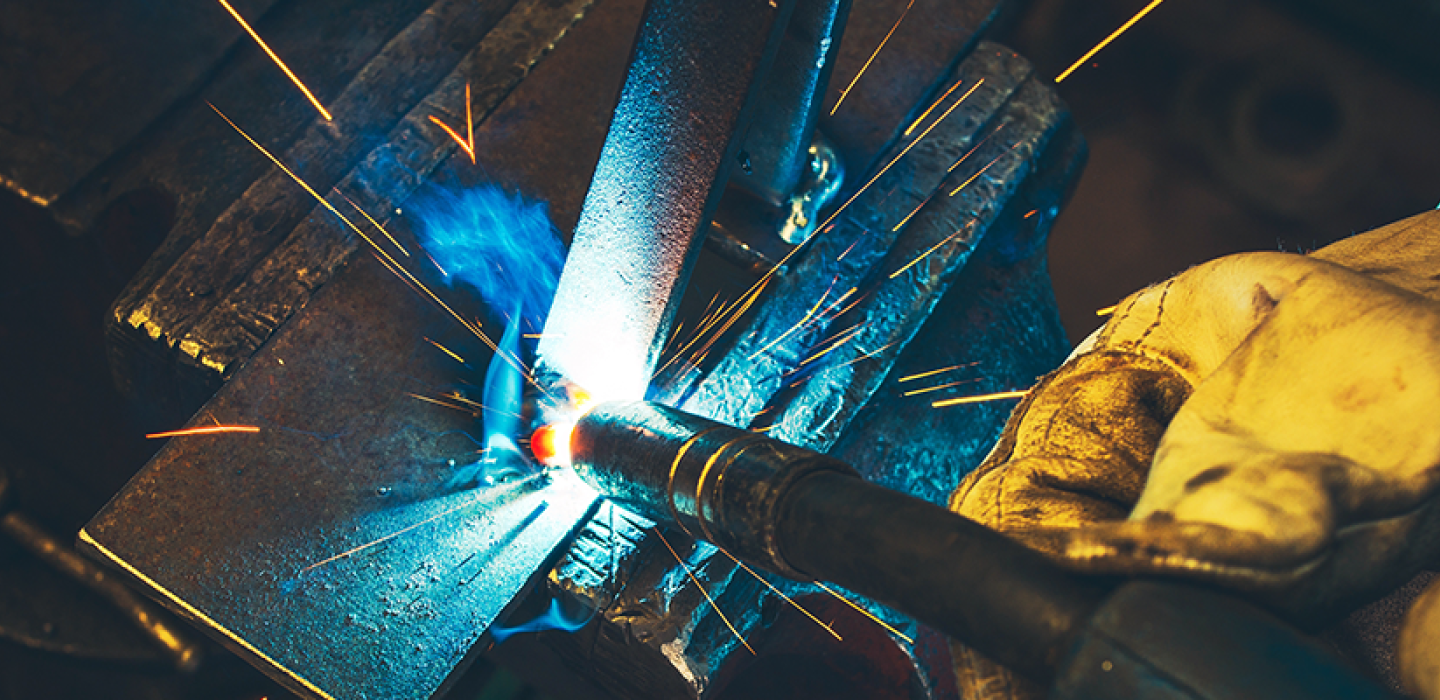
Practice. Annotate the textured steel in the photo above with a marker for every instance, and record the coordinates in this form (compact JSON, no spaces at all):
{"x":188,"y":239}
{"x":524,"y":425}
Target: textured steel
{"x":671,"y":144}
{"x":230,"y":530}
{"x":250,"y":249}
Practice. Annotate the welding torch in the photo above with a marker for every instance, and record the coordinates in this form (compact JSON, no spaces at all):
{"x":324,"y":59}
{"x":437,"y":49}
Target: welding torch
{"x":808,"y":516}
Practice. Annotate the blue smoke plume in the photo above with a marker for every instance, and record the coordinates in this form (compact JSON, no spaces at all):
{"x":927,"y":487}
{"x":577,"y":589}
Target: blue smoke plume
{"x":552,"y":619}
{"x":497,"y":243}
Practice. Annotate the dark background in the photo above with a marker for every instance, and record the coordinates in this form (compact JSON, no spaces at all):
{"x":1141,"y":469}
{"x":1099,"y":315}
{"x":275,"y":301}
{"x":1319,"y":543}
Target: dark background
{"x":1215,"y":126}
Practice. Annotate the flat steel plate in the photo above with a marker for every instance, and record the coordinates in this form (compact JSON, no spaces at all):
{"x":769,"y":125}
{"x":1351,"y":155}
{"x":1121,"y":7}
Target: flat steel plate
{"x":234,"y":530}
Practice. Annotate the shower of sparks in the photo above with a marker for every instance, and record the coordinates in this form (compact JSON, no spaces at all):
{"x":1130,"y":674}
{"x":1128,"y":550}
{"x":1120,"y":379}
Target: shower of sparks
{"x":929,"y":389}
{"x":856,"y":79}
{"x":206,"y":430}
{"x":390,"y":262}
{"x":976,"y":176}
{"x":1091,"y":53}
{"x":927,"y":253}
{"x":488,"y":494}
{"x":1106,"y":311}
{"x":787,"y":598}
{"x":997,"y":396}
{"x":288,"y":73}
{"x":376,"y":224}
{"x":685,"y":566}
{"x":715,"y":325}
{"x":865,"y":612}
{"x":921,"y":119}
{"x":933,"y":372}
{"x":466,"y":144}
{"x":445,"y":350}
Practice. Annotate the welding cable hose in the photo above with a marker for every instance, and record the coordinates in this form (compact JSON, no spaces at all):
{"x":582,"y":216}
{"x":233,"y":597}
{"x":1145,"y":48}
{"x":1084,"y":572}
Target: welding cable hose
{"x":808,"y":516}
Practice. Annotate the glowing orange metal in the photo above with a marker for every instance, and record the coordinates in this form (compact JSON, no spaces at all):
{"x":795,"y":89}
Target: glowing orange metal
{"x":856,"y":79}
{"x":1091,"y":53}
{"x":206,"y":430}
{"x":997,"y":396}
{"x":288,"y":73}
{"x":685,"y":566}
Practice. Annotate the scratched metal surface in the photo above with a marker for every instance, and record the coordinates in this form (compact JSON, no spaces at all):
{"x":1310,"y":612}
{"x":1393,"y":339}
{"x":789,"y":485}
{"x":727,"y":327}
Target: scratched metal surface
{"x":228,"y":523}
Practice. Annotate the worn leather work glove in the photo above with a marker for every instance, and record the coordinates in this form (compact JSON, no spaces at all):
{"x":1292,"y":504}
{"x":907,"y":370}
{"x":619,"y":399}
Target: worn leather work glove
{"x":1267,"y":422}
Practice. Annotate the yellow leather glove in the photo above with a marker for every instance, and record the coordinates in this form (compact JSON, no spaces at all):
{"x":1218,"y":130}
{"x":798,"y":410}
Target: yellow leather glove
{"x":1267,"y":422}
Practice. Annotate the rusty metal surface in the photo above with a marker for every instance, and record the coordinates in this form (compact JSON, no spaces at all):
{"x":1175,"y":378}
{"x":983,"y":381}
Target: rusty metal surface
{"x":230,"y":530}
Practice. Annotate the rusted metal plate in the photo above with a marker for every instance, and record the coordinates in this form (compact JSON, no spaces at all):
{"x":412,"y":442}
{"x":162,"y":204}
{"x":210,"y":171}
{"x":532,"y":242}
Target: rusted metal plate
{"x":239,"y":532}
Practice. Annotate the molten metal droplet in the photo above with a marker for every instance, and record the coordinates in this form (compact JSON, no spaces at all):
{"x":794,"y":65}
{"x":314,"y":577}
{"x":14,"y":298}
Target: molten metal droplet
{"x":551,"y":444}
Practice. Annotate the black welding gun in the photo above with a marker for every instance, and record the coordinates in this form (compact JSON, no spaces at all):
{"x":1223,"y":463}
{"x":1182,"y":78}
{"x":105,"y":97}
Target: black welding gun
{"x":807,"y":516}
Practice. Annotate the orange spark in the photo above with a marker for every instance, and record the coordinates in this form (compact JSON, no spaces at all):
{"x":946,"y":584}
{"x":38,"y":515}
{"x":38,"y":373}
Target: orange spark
{"x":805,"y":320}
{"x":787,"y":598}
{"x":1089,"y":54}
{"x":929,"y":389}
{"x":1030,"y":213}
{"x":438,"y":402}
{"x":469,"y":150}
{"x":685,"y":566}
{"x":981,"y":398}
{"x":966,"y":183}
{"x":206,"y":430}
{"x":856,"y":79}
{"x":865,"y":612}
{"x":888,"y":165}
{"x":1106,"y":311}
{"x":290,"y":74}
{"x":934,"y":372}
{"x":445,"y":350}
{"x":376,"y":224}
{"x":845,"y":338}
{"x":455,"y":395}
{"x":487,"y":494}
{"x":927,"y":253}
{"x":932,"y":106}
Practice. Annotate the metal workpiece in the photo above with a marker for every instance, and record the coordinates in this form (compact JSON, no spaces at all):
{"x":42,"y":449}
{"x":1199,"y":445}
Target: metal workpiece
{"x":774,"y":151}
{"x":346,"y":548}
{"x":785,"y":330}
{"x":721,"y":484}
{"x":689,"y":90}
{"x":248,"y":247}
